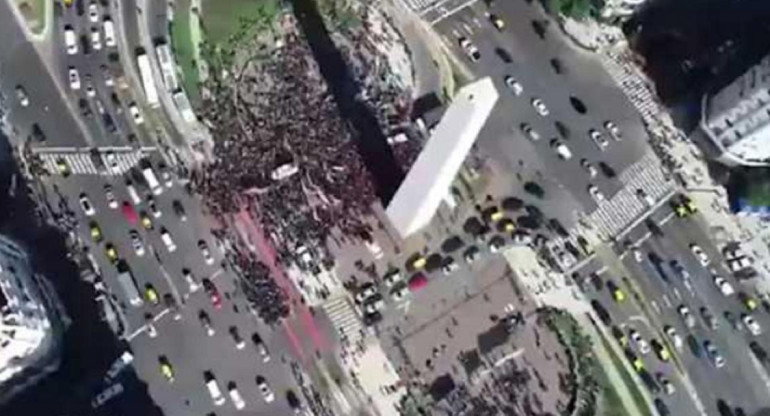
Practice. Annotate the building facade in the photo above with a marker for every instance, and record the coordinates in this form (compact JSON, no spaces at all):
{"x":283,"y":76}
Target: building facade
{"x":737,"y":118}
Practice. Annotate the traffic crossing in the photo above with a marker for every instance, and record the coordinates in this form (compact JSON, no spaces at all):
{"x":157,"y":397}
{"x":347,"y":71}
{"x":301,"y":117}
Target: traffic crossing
{"x":110,"y":163}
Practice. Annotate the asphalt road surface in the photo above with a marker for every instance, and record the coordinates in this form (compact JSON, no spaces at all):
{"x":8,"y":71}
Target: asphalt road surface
{"x":742,"y":381}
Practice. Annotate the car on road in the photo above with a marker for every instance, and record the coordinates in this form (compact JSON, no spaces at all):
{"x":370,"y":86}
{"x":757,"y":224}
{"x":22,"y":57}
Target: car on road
{"x":540,"y":107}
{"x":751,"y":324}
{"x":528,"y":131}
{"x":96,"y":232}
{"x":607,"y":170}
{"x":588,"y":167}
{"x":641,"y":344}
{"x":136,"y":114}
{"x":172,"y":305}
{"x":661,"y":407}
{"x":21,"y":96}
{"x":70,"y":40}
{"x":673,"y":336}
{"x":166,"y":369}
{"x":85,"y":108}
{"x":470,"y":49}
{"x":93,"y":12}
{"x":399,"y":293}
{"x":699,"y":254}
{"x":96,"y":39}
{"x":709,"y":318}
{"x":713,"y":353}
{"x":109,"y":33}
{"x":111,"y":253}
{"x":264,"y":388}
{"x":192,"y":282}
{"x":205,"y":252}
{"x":374,"y":304}
{"x":635,"y":361}
{"x":620,"y":336}
{"x":617,"y":293}
{"x":235,"y":396}
{"x":364,"y":291}
{"x":597,"y":196}
{"x":107,"y":76}
{"x":151,"y":294}
{"x":129,"y":213}
{"x":86,"y":206}
{"x":497,"y":22}
{"x":392,"y":277}
{"x":205,"y":321}
{"x":561,"y":149}
{"x":556,"y":65}
{"x":613,"y":130}
{"x":748,"y":301}
{"x":660,"y":350}
{"x":179,"y":210}
{"x":513,"y":85}
{"x":724,"y":286}
{"x":733,"y":321}
{"x":74,"y":78}
{"x":598,"y":139}
{"x":668,"y":386}
{"x":260,"y":346}
{"x":601,"y":311}
{"x":136,"y":243}
{"x":686,"y":315}
{"x":165,"y":236}
{"x":109,"y":195}
{"x":212,"y":292}
{"x":293,"y":402}
{"x":239,"y":342}
{"x":213,"y":388}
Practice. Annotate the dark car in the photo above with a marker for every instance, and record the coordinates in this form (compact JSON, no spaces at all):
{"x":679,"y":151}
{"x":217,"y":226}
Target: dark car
{"x":661,"y":407}
{"x":534,"y":189}
{"x":578,"y":105}
{"x":724,"y":409}
{"x":597,"y":281}
{"x":555,"y":226}
{"x":604,"y":316}
{"x":179,"y":210}
{"x":607,"y":170}
{"x":562,"y":129}
{"x":758,"y":351}
{"x":649,"y":381}
{"x":695,"y":347}
{"x":109,"y":123}
{"x":85,"y":108}
{"x":85,"y":45}
{"x":37,"y":133}
{"x":504,"y":55}
{"x":293,"y":400}
{"x":557,"y":66}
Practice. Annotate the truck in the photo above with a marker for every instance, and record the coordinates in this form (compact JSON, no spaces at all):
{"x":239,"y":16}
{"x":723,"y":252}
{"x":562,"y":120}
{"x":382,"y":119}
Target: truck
{"x":126,"y":280}
{"x":148,"y":82}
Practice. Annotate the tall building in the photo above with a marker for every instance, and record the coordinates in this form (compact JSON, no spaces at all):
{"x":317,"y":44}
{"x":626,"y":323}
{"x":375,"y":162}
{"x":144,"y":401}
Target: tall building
{"x":26,"y":336}
{"x":737,"y":118}
{"x":429,"y":180}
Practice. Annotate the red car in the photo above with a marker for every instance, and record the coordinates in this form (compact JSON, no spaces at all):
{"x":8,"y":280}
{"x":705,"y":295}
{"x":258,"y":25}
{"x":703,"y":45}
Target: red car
{"x":417,"y":282}
{"x":213,"y":292}
{"x":129,"y":212}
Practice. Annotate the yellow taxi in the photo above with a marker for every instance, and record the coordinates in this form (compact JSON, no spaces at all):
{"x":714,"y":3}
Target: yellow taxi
{"x":636,"y":362}
{"x":508,"y":225}
{"x":111,"y":252}
{"x":620,"y":336}
{"x":660,"y":350}
{"x":749,"y":302}
{"x":63,"y":167}
{"x":617,"y":293}
{"x":680,"y":210}
{"x":166,"y":369}
{"x":96,"y":232}
{"x":146,"y":221}
{"x":497,"y":22}
{"x":67,"y":2}
{"x":419,"y":262}
{"x":151,"y":294}
{"x":687,"y":202}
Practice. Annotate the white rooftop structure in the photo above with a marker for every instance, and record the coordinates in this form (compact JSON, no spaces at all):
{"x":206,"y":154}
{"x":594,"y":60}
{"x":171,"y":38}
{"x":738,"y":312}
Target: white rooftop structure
{"x":737,"y":118}
{"x":25,"y":328}
{"x":430,"y":178}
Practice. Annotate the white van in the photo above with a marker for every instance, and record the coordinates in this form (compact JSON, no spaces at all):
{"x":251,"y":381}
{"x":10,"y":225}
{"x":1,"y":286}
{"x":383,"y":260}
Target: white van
{"x":70,"y":40}
{"x":166,"y":237}
{"x":213,"y":387}
{"x":152,"y":181}
{"x":109,"y":33}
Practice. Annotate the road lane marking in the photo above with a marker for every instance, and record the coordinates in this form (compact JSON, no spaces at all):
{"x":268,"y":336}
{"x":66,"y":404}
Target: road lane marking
{"x":667,"y":301}
{"x":655,"y":307}
{"x":677,"y":295}
{"x":468,"y":28}
{"x":143,"y":328}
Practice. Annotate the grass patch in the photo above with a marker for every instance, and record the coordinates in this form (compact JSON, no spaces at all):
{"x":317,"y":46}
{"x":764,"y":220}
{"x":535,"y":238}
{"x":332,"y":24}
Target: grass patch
{"x":34,"y":13}
{"x":228,"y":21}
{"x":184,"y":50}
{"x":610,"y":403}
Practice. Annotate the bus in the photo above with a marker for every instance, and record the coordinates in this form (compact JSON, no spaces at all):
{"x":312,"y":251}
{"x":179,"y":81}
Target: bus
{"x":152,"y":180}
{"x":127,"y":282}
{"x":148,"y":82}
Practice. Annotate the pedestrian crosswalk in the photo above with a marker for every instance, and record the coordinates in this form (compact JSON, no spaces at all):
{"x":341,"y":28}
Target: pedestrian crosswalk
{"x":633,"y":85}
{"x":615,"y":214}
{"x":86,"y":163}
{"x":344,"y":318}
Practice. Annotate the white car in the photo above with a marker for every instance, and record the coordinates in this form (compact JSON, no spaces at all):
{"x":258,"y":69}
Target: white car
{"x":93,"y":12}
{"x":167,"y":240}
{"x":613,"y":130}
{"x":96,"y":39}
{"x":400,"y":293}
{"x":21,"y":95}
{"x":109,"y":33}
{"x":641,"y":343}
{"x":74,"y":78}
{"x":593,"y":190}
{"x":529,"y":132}
{"x":675,"y":338}
{"x":561,"y":149}
{"x":392,"y":277}
{"x":109,"y":195}
{"x":645,"y":197}
{"x":513,"y":85}
{"x":449,"y":266}
{"x":90,"y":91}
{"x":540,"y":107}
{"x":366,"y":290}
{"x":136,"y":243}
{"x":598,"y":138}
{"x":85,"y":204}
{"x":192,"y":283}
{"x":637,"y":254}
{"x":724,"y":286}
{"x":751,"y":324}
{"x":70,"y":40}
{"x":135,"y":113}
{"x":687,"y":317}
{"x":470,"y":49}
{"x":699,"y":254}
{"x":589,"y":168}
{"x":205,"y":252}
{"x":108,"y":80}
{"x":235,"y":396}
{"x":267,"y":394}
{"x":154,"y":211}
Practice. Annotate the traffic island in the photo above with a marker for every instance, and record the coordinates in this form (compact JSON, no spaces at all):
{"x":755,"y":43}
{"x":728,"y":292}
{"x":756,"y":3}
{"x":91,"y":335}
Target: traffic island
{"x":34,"y":14}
